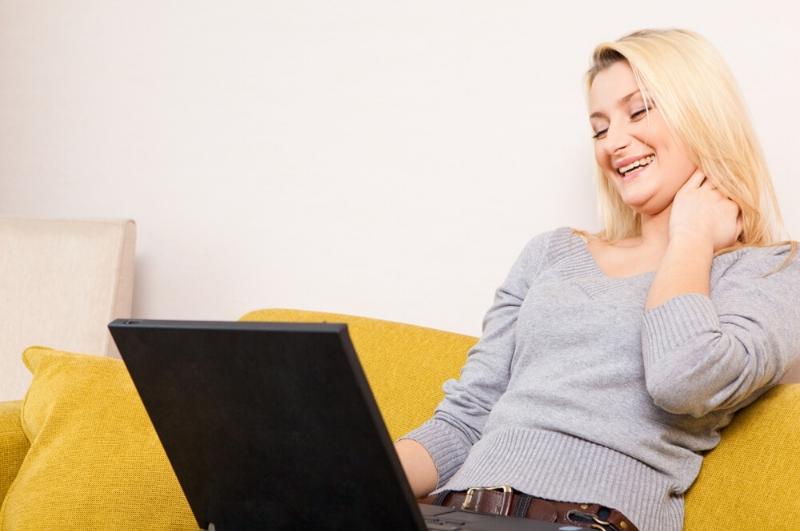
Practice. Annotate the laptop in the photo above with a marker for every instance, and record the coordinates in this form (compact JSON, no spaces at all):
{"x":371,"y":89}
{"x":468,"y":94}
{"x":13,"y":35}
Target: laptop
{"x":274,"y":426}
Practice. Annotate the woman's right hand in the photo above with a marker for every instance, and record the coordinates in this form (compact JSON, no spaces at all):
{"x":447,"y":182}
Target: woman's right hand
{"x":418,"y":465}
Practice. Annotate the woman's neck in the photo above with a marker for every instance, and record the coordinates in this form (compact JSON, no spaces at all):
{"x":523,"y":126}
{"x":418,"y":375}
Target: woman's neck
{"x":655,"y":230}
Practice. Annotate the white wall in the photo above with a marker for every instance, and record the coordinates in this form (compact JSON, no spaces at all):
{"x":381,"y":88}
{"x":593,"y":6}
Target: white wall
{"x":378,"y":158}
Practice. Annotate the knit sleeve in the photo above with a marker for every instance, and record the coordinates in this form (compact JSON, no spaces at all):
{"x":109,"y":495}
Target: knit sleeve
{"x":460,"y":417}
{"x":703,"y":354}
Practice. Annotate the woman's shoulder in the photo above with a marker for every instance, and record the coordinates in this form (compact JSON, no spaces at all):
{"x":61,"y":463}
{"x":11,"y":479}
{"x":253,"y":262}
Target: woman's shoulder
{"x":551,"y":246}
{"x":555,"y":237}
{"x":764,"y":261}
{"x":760,"y":284}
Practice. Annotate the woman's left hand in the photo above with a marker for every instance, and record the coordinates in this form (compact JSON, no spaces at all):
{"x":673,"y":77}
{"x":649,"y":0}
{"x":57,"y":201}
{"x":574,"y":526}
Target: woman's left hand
{"x":701,"y":211}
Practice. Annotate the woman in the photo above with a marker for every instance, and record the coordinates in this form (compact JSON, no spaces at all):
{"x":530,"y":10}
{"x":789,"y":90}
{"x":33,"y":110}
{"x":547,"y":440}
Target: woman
{"x":609,"y":362}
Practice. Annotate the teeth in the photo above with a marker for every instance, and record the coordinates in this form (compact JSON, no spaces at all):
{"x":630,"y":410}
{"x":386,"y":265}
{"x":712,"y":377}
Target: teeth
{"x":641,"y":162}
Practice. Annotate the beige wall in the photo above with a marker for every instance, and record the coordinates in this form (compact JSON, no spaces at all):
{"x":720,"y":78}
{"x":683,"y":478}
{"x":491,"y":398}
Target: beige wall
{"x":380,"y":158}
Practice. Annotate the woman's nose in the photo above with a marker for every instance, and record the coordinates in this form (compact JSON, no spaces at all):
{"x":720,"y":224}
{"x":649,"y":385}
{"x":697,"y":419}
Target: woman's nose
{"x":617,"y":139}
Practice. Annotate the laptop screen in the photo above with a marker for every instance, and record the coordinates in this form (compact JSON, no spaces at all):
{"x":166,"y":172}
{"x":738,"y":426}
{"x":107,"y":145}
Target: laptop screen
{"x":268,"y":425}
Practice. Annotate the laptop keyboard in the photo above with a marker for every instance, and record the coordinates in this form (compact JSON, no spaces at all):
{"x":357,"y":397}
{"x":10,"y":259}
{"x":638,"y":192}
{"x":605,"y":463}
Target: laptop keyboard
{"x":436,"y":524}
{"x":465,"y":522}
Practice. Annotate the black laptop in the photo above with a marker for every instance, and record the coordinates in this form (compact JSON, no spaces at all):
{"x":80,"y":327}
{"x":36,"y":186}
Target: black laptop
{"x":273,"y":426}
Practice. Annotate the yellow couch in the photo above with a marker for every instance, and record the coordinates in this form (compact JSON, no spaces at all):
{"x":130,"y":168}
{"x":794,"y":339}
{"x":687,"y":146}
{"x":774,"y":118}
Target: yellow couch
{"x":750,"y":481}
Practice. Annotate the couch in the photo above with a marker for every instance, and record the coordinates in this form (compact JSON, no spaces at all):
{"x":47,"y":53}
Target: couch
{"x":79,"y":453}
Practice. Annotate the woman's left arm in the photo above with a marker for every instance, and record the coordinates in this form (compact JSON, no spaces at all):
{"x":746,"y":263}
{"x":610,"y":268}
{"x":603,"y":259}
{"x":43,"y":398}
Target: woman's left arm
{"x":705,"y":351}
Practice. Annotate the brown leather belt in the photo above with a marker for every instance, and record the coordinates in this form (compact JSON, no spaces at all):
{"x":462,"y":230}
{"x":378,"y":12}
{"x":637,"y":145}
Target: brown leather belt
{"x":504,"y":501}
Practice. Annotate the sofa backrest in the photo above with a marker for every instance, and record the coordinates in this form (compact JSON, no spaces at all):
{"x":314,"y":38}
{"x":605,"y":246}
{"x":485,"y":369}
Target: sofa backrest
{"x":404,"y":364}
{"x":748,"y":482}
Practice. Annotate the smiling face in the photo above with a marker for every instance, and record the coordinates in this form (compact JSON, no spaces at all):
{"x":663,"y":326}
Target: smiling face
{"x":636,"y":151}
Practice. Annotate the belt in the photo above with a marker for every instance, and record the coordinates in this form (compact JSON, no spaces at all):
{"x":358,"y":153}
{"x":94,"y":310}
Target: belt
{"x":505,"y":501}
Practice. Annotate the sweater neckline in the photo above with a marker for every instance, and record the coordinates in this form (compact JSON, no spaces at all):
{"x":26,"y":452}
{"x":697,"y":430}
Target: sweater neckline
{"x":590,"y":263}
{"x":590,"y":260}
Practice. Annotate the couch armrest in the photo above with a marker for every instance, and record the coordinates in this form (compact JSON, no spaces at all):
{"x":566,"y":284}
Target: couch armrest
{"x":13,"y":444}
{"x":752,"y":479}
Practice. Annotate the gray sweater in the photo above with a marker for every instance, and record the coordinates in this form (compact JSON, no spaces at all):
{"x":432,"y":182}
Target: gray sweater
{"x":575,"y":392}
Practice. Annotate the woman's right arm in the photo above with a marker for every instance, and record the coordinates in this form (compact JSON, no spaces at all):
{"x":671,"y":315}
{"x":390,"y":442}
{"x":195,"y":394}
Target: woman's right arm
{"x":418,"y":466}
{"x":432,"y":453}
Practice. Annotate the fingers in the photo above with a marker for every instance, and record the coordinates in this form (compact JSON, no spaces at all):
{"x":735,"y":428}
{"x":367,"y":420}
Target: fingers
{"x":699,"y":180}
{"x":706,"y":183}
{"x":696,"y":179}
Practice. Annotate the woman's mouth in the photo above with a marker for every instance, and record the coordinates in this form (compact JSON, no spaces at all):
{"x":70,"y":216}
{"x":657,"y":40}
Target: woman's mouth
{"x":635,"y":168}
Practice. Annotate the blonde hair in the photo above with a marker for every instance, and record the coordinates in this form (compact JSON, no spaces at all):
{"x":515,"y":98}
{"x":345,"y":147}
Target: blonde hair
{"x":700,"y":102}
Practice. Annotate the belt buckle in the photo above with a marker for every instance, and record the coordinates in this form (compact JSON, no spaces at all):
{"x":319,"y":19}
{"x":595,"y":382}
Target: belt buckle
{"x":470,"y":498}
{"x":584,"y":518}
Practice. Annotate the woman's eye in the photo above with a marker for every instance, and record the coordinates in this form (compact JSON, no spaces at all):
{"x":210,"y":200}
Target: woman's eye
{"x":600,"y":134}
{"x":638,"y":114}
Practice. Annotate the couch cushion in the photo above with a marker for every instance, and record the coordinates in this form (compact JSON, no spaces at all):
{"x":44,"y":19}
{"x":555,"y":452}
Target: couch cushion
{"x":752,"y":479}
{"x":95,"y":461}
{"x":13,"y":444}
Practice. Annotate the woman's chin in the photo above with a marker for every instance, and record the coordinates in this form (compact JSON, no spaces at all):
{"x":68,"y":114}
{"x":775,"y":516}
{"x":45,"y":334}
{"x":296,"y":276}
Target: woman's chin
{"x":647,"y":204}
{"x":635,"y":200}
{"x":636,"y":196}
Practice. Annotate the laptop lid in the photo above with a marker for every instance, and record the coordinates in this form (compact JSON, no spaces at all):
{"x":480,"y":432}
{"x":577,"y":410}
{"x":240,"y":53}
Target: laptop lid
{"x":268,"y":425}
